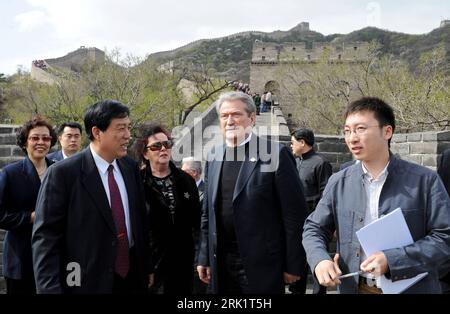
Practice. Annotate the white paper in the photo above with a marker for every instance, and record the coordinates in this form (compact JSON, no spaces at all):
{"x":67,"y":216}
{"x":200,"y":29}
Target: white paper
{"x":388,"y":232}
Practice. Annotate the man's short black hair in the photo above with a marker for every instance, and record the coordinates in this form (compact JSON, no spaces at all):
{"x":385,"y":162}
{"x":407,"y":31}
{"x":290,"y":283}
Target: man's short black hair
{"x":304,"y":134}
{"x":101,"y":113}
{"x":73,"y":125}
{"x":383,"y":113}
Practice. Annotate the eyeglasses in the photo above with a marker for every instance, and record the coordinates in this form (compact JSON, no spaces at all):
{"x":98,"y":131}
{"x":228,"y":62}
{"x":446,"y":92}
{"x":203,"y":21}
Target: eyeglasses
{"x":159,"y":145}
{"x":36,"y":138}
{"x":358,"y":130}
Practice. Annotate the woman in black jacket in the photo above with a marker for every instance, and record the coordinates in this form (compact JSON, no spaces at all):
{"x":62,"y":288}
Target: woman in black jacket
{"x":174,"y":211}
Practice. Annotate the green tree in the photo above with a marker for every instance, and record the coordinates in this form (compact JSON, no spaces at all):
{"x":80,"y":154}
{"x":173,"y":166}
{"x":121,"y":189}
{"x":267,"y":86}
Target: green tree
{"x":420,"y":99}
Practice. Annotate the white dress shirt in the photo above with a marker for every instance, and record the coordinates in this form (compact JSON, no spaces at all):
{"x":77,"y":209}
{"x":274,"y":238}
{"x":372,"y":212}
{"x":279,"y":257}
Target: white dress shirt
{"x":102,"y":167}
{"x":373,"y":189}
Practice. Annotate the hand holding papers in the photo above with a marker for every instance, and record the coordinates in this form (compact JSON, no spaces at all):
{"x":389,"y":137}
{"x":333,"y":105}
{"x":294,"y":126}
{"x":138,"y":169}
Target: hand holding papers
{"x":389,"y":231}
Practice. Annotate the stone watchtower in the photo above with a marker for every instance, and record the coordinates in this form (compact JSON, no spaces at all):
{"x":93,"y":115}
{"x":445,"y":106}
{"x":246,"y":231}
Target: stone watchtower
{"x":274,"y":66}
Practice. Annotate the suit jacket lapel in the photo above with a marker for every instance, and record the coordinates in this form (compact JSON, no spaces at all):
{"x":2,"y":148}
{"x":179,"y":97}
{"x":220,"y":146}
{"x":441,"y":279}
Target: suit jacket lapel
{"x":30,"y":172}
{"x":214,"y":173}
{"x":392,"y":169}
{"x":247,"y":167}
{"x":94,"y":187}
{"x":357,"y":183}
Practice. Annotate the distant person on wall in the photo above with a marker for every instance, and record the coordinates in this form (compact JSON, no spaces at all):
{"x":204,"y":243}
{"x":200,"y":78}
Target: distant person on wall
{"x":19,"y":187}
{"x":269,"y":100}
{"x":263,"y":102}
{"x":69,"y":137}
{"x":257,"y":100}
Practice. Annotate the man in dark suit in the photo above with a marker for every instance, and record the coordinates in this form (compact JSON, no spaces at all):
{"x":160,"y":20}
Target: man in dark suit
{"x":444,"y":172}
{"x":69,"y":137}
{"x":90,"y":234}
{"x":314,"y":171}
{"x":253,"y":209}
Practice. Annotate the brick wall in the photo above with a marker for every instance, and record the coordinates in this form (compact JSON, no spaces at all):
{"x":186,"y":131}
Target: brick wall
{"x":423,"y":148}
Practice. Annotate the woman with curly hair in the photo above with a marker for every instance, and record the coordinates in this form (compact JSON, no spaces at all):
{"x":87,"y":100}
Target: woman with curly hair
{"x":19,"y":187}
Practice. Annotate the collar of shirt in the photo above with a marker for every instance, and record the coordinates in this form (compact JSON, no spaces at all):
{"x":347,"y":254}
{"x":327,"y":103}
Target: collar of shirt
{"x":249,"y":137}
{"x":102,"y":164}
{"x":64,"y":155}
{"x":198,"y":182}
{"x":368,"y":176}
{"x":308,"y":154}
{"x":102,"y":167}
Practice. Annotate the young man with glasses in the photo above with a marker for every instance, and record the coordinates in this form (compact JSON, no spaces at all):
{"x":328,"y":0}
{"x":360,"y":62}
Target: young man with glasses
{"x":362,"y":193}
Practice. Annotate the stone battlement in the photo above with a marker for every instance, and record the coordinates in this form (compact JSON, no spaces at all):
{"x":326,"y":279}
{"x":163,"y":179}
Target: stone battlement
{"x":303,"y":51}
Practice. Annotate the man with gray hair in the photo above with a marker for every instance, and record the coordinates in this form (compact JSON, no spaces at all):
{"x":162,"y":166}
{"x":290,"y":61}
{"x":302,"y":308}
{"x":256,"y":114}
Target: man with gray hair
{"x":253,"y":208}
{"x":194,"y":169}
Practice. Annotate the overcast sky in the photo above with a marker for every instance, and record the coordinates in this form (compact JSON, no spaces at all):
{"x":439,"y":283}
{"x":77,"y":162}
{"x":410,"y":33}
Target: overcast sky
{"x":42,"y":29}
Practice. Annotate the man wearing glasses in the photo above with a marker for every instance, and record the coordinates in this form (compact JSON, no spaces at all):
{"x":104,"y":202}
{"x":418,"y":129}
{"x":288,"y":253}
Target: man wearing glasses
{"x":69,"y":137}
{"x":360,"y":194}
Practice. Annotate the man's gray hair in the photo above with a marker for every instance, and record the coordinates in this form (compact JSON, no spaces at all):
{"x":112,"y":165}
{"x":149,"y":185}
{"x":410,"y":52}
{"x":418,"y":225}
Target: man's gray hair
{"x":230,"y":96}
{"x":192,"y":164}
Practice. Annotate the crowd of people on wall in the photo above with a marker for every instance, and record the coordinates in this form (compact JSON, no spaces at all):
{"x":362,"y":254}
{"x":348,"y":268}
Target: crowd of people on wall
{"x":40,"y":64}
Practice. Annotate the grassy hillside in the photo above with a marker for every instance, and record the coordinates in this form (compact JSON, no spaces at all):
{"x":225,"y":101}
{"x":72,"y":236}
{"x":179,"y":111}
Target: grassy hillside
{"x":230,"y":56}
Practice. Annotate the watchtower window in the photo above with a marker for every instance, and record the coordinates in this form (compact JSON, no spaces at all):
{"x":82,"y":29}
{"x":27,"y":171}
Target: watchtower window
{"x":293,"y":48}
{"x":263,"y":58}
{"x":309,"y":57}
{"x":264,"y":48}
{"x":355,"y":48}
{"x":339,"y":57}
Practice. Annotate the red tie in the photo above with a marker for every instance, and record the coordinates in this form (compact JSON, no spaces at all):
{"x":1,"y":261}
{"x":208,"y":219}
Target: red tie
{"x":122,"y":258}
